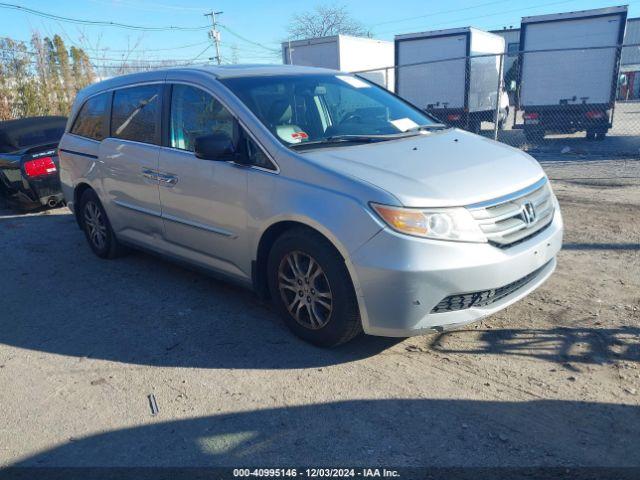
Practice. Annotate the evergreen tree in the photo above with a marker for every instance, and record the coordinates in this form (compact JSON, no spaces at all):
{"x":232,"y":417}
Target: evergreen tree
{"x":66,"y":76}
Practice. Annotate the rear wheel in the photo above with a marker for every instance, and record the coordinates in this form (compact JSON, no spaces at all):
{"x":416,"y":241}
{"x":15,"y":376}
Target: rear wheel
{"x":310,"y":286}
{"x":475,"y":126}
{"x":591,"y":135}
{"x":97,"y":228}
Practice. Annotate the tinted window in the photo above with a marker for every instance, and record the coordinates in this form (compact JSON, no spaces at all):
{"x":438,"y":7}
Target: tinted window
{"x":91,"y":122}
{"x":257,"y":156}
{"x":195,"y":113}
{"x":136,"y":114}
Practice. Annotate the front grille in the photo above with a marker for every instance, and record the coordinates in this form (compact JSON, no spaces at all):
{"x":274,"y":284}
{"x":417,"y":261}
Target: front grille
{"x":506,"y":223}
{"x":484,"y":297}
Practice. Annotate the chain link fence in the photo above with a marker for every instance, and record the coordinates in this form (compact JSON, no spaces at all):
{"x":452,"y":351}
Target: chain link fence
{"x":561,"y":101}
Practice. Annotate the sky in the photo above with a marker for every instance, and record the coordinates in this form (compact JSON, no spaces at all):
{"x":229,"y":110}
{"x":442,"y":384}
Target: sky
{"x":259,"y":25}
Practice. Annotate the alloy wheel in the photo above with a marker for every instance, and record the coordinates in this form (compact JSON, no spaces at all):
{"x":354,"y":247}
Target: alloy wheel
{"x":305,"y":290}
{"x":95,"y":224}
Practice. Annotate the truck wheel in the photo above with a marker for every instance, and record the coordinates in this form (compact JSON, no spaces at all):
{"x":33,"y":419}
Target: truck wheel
{"x":311,"y":288}
{"x":534,"y":135}
{"x":475,"y":126}
{"x":591,"y":135}
{"x":97,"y":227}
{"x":504,"y":116}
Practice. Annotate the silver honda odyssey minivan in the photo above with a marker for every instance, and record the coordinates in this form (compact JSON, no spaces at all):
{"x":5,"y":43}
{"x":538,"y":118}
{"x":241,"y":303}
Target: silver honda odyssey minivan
{"x":347,"y":207}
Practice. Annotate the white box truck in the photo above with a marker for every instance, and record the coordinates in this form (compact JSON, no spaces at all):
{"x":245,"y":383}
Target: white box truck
{"x":345,"y":53}
{"x":454,"y":74}
{"x":568,"y":71}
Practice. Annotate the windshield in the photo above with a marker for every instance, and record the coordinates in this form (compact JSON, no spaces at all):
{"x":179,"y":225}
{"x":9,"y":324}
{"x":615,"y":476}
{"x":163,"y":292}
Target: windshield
{"x":312,"y":109}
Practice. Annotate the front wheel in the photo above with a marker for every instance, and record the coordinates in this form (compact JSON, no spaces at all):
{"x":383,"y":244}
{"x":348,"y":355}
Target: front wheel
{"x":311,"y":287}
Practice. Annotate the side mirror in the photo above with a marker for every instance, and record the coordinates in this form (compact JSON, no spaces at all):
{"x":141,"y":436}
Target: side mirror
{"x":217,"y":146}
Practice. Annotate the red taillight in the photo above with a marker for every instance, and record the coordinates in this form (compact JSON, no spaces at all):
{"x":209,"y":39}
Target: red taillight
{"x":594,"y":115}
{"x":39,"y":167}
{"x":453,"y":117}
{"x":530,"y":116}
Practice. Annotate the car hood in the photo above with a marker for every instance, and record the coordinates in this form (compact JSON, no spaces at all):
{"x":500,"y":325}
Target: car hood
{"x":442,"y":168}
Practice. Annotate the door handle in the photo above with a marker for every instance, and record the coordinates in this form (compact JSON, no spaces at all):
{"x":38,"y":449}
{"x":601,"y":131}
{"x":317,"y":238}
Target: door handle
{"x":150,"y":174}
{"x":167,"y":179}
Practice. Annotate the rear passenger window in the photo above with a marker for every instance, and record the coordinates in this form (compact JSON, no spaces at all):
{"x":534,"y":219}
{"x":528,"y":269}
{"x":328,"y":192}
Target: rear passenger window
{"x":91,"y":121}
{"x":135,"y":114}
{"x":195,"y":113}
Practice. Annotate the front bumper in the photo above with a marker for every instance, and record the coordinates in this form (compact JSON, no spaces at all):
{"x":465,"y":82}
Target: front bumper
{"x":400,"y":279}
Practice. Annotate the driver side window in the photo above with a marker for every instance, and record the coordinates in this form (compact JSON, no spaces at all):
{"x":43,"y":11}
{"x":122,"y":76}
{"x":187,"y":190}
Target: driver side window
{"x":195,"y":113}
{"x":348,"y":103}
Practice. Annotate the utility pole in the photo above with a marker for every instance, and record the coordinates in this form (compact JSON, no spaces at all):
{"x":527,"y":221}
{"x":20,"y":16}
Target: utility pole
{"x":214,"y":34}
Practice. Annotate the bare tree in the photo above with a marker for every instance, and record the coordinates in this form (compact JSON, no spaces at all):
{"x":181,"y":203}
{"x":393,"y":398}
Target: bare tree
{"x":18,"y":87}
{"x":325,"y":20}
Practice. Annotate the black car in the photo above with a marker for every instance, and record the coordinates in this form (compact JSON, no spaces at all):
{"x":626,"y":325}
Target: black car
{"x":29,"y":175}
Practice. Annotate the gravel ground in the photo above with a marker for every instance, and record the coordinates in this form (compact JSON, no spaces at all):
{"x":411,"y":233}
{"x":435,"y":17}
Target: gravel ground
{"x":553,"y":380}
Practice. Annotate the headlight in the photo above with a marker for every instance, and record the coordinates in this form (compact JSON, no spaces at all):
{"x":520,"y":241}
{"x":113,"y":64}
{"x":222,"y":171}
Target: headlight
{"x":438,"y":223}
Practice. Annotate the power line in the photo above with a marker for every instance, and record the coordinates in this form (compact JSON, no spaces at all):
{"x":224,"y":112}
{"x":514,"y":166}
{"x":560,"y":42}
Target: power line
{"x":489,"y":15}
{"x":149,"y":49}
{"x":100,"y":58}
{"x":202,"y":52}
{"x":108,"y":59}
{"x":52,"y":16}
{"x":443,"y":12}
{"x":244,"y":39}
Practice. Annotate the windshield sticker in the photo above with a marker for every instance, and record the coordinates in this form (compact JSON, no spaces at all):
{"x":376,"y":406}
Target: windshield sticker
{"x":353,"y":81}
{"x":404,"y":124}
{"x":299,"y":136}
{"x":289,"y":134}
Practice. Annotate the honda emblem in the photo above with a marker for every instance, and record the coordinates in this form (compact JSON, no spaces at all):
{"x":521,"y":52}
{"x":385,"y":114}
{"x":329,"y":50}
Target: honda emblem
{"x":528,"y":213}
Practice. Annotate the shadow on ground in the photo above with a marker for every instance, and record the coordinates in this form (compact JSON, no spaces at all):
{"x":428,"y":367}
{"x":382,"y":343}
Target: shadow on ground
{"x":556,"y":345}
{"x":144,"y":310}
{"x":57,"y":297}
{"x":614,"y":145}
{"x":374,"y":432}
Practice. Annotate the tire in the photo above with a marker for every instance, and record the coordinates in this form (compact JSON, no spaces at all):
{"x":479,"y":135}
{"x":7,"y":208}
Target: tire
{"x":534,"y":135}
{"x":294,"y":294}
{"x":591,"y":135}
{"x":97,"y":228}
{"x":475,"y":126}
{"x":503,"y":117}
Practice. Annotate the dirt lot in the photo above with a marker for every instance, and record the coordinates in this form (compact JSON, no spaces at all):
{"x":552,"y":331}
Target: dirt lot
{"x":553,"y":380}
{"x":623,"y":139}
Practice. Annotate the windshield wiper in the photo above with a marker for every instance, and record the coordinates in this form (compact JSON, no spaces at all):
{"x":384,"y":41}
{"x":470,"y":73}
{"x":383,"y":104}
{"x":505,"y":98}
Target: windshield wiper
{"x":354,"y":139}
{"x":429,"y":126}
